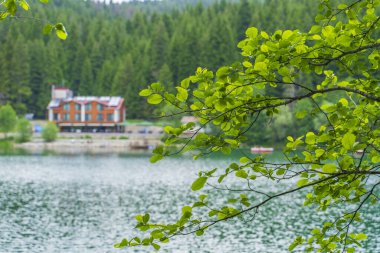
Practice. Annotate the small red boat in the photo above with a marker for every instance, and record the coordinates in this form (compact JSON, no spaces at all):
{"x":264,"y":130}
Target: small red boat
{"x":261,"y":150}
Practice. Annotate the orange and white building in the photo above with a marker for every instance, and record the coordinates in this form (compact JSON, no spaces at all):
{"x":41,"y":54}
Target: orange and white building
{"x":86,"y":113}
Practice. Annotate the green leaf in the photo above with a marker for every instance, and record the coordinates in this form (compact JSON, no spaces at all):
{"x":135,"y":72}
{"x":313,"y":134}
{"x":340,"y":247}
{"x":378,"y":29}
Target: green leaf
{"x":264,"y":48}
{"x":24,"y":5}
{"x":155,"y":99}
{"x":146,"y":218}
{"x":145,"y":93}
{"x":302,"y":182}
{"x":185,"y":83}
{"x":187,"y":209}
{"x":252,"y":32}
{"x":156,"y":246}
{"x":329,"y":168}
{"x":332,"y":246}
{"x":310,"y":138}
{"x":342,"y":6}
{"x":3,"y":15}
{"x":60,"y":31}
{"x":122,"y":244}
{"x":252,"y":177}
{"x":200,"y":232}
{"x":199,"y":183}
{"x":284,"y":71}
{"x":223,"y":71}
{"x":343,"y":101}
{"x":155,"y":158}
{"x":299,"y":240}
{"x":264,"y":35}
{"x":247,"y":64}
{"x":280,"y":172}
{"x":348,"y":141}
{"x":11,"y":7}
{"x":287,"y":34}
{"x":319,"y":152}
{"x":182,"y":94}
{"x":139,"y":218}
{"x":361,"y":237}
{"x":301,"y":114}
{"x":157,"y":234}
{"x":260,"y":66}
{"x":47,"y":29}
{"x":202,"y":197}
{"x":375,"y":159}
{"x":315,"y":29}
{"x":244,"y":160}
{"x":241,"y":173}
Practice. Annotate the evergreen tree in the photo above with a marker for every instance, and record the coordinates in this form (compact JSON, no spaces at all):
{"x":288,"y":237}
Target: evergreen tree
{"x":4,"y":76}
{"x":166,"y":76}
{"x":76,"y":75}
{"x":97,"y":59}
{"x":19,"y":75}
{"x":244,"y":18}
{"x":86,"y":81}
{"x":37,"y":82}
{"x":219,"y":49}
{"x":104,"y":80}
{"x":159,"y":44}
{"x":182,"y":35}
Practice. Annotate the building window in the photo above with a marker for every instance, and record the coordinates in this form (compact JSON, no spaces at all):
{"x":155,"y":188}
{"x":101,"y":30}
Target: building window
{"x":88,"y":117}
{"x":66,"y":117}
{"x":77,"y":107}
{"x":77,"y":117}
{"x":110,"y":116}
{"x":88,"y":107}
{"x":66,"y":107}
{"x":99,"y":117}
{"x":99,"y":107}
{"x":56,"y":117}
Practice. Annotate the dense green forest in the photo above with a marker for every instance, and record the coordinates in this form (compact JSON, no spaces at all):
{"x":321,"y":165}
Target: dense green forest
{"x":118,"y":49}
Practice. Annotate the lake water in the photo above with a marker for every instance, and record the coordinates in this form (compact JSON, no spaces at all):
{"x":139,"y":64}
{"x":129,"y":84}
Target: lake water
{"x":87,"y":203}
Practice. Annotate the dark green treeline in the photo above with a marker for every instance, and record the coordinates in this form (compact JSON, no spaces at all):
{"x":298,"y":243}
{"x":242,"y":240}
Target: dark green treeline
{"x":119,"y":49}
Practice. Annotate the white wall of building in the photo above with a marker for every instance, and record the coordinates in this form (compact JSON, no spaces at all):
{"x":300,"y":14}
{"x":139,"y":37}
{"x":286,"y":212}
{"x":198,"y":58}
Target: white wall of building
{"x":83,"y":113}
{"x":116,"y":116}
{"x":51,"y":115}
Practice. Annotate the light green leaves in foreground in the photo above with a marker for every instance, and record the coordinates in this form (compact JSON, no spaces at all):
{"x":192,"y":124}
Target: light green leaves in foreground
{"x":335,"y":162}
{"x":12,"y":8}
{"x":348,"y":141}
{"x":60,"y":30}
{"x":199,"y":183}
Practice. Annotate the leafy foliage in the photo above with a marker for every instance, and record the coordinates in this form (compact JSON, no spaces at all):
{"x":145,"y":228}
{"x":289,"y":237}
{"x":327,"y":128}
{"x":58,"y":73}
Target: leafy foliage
{"x":50,"y":132}
{"x":119,"y":49}
{"x":8,"y":119}
{"x":24,"y":130}
{"x":10,"y":8}
{"x":337,"y":164}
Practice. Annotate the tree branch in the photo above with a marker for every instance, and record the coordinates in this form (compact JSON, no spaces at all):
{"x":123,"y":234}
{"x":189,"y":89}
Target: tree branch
{"x":329,"y":60}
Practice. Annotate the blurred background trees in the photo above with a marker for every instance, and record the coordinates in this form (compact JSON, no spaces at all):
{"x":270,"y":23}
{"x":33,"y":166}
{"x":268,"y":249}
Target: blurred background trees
{"x":118,"y":49}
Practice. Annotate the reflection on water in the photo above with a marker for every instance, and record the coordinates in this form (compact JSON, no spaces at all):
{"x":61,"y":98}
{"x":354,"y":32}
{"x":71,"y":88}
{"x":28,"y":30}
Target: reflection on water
{"x":87,"y":203}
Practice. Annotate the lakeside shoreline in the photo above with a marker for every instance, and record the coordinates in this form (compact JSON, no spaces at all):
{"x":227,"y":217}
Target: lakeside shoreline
{"x":89,"y":143}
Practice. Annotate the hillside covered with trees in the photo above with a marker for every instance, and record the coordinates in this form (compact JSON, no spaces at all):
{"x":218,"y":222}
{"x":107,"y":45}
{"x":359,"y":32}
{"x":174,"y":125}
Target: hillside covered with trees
{"x":118,"y":49}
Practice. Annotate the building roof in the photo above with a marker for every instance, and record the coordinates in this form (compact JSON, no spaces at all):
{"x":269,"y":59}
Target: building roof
{"x":54,"y":103}
{"x":60,"y":88}
{"x":106,"y":101}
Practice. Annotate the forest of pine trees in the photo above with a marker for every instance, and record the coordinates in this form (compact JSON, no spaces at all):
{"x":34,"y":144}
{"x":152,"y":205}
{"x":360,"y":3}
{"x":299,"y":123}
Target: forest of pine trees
{"x":118,"y":49}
